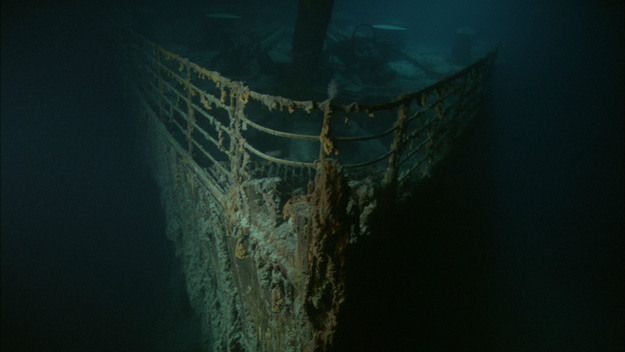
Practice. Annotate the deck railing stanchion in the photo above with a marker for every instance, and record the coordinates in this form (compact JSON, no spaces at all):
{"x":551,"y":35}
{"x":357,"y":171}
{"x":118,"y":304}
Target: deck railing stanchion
{"x":390,"y":179}
{"x":190,"y":111}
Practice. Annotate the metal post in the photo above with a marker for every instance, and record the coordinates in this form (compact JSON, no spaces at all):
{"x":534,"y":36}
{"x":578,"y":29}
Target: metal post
{"x":390,"y":180}
{"x":190,"y":112}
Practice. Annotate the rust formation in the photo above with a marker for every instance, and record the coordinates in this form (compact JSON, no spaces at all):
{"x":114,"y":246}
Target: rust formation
{"x":261,"y":232}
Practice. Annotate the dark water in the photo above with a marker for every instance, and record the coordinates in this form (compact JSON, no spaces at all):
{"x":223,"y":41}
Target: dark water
{"x":520,"y":236}
{"x":86,"y":265}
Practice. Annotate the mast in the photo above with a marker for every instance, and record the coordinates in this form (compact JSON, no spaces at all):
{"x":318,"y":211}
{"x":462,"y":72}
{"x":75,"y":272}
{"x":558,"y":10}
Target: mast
{"x":313,"y":18}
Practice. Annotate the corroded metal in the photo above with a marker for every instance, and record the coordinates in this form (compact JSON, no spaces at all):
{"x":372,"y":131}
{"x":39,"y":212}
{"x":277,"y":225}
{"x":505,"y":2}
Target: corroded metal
{"x":263,"y":236}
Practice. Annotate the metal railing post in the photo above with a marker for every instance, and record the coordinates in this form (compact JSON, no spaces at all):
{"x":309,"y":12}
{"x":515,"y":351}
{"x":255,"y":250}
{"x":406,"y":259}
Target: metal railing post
{"x":190,"y":111}
{"x":390,"y":179}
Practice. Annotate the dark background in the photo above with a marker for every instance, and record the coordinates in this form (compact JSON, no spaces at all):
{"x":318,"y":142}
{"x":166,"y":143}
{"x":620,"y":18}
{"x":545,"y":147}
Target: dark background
{"x":85,"y":261}
{"x":527,"y":215}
